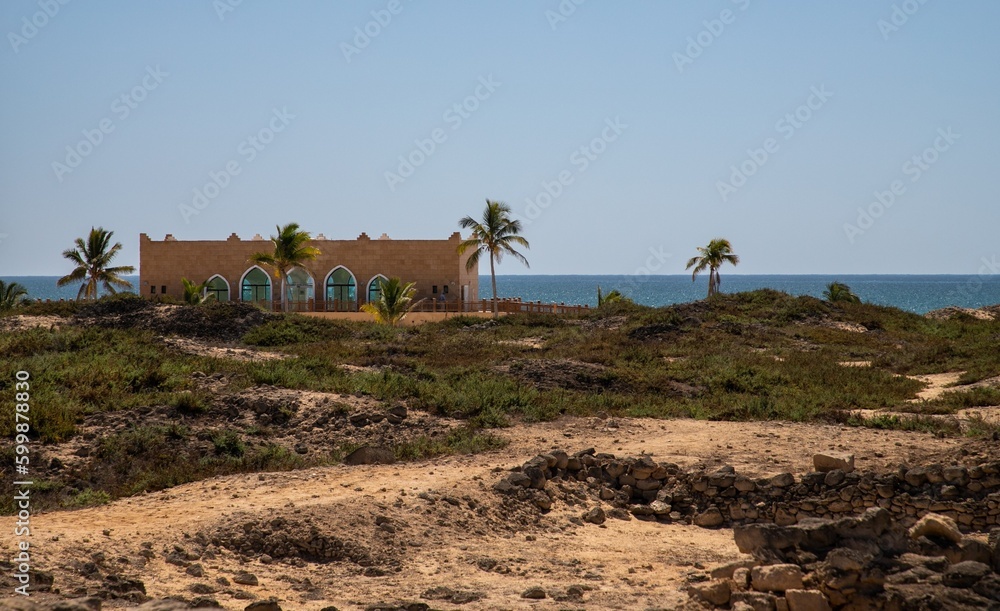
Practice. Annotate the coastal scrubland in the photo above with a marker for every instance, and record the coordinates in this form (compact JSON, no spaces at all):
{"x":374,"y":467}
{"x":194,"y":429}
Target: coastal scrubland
{"x":138,"y":413}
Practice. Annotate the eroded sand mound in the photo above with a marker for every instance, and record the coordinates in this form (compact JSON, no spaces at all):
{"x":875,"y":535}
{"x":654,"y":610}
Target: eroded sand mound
{"x":215,"y":321}
{"x":985,"y":313}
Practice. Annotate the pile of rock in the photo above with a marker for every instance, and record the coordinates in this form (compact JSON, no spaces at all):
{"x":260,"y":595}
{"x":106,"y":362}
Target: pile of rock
{"x":649,"y":490}
{"x":863,"y":562}
{"x":270,"y":405}
{"x":283,"y":538}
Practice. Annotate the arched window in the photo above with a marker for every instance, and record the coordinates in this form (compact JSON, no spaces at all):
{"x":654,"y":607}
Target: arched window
{"x":341,"y":291}
{"x":256,"y":286}
{"x":374,"y":291}
{"x":299,"y":286}
{"x":217,"y":288}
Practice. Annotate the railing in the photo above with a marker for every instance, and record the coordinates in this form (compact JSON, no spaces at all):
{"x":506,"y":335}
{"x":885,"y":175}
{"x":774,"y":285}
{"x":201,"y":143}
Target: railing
{"x":507,"y":306}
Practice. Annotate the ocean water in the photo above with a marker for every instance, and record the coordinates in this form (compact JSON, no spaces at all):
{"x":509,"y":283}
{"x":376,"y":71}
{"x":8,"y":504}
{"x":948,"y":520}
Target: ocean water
{"x":914,"y":293}
{"x":919,"y":294}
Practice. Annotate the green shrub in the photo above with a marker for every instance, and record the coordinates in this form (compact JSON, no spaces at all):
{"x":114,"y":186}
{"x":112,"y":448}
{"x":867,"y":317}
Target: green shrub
{"x":461,"y":440}
{"x":272,"y":457}
{"x":87,"y":498}
{"x":295,"y":329}
{"x":229,"y":443}
{"x":190,"y":403}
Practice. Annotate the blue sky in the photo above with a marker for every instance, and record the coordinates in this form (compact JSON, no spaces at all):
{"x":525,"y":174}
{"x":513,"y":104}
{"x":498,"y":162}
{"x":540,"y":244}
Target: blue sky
{"x":625,"y":134}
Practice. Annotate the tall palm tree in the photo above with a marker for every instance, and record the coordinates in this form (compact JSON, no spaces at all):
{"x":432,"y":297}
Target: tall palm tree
{"x":11,"y":295}
{"x":496,"y":234}
{"x":92,"y":258}
{"x":291,"y":250}
{"x":394,"y":302}
{"x":194,"y":293}
{"x":839,"y":292}
{"x":712,"y":257}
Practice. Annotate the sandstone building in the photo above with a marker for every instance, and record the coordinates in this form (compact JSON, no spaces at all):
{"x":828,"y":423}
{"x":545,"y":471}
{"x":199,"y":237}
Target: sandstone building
{"x":342,"y":278}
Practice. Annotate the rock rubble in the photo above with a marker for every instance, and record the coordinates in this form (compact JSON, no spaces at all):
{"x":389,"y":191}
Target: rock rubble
{"x":649,"y":490}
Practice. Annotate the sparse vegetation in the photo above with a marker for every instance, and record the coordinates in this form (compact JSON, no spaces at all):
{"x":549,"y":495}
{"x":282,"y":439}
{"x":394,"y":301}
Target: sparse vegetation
{"x":465,"y":440}
{"x":762,"y":355}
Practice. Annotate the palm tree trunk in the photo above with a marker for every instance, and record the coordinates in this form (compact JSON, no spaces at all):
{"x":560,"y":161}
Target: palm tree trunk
{"x":284,"y":305}
{"x":493,"y":275}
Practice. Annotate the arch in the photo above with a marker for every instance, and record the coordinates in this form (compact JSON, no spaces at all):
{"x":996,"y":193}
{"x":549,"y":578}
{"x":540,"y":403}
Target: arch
{"x":373,"y":292}
{"x":255,"y":286}
{"x":299,"y":286}
{"x":341,"y":290}
{"x":218,"y":287}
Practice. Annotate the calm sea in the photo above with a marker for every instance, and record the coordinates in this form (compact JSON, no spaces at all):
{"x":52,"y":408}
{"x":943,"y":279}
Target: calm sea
{"x":914,"y":293}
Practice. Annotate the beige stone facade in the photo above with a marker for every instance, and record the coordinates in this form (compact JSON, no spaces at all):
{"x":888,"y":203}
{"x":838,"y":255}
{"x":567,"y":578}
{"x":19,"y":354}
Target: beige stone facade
{"x":434,"y":265}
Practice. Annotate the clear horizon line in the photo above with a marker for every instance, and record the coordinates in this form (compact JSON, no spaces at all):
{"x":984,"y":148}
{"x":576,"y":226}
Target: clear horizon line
{"x":626,"y":275}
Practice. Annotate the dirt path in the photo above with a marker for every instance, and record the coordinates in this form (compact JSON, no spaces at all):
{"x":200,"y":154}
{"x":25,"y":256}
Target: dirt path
{"x":439,"y":544}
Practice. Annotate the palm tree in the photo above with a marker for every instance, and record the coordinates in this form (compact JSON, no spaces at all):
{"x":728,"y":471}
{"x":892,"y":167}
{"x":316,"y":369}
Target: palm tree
{"x":614,"y":296}
{"x":712,"y":257}
{"x":496,"y":234}
{"x":92,"y":259}
{"x":194,"y":294}
{"x":394,"y":302}
{"x":291,"y":250}
{"x":11,"y":295}
{"x":839,"y":292}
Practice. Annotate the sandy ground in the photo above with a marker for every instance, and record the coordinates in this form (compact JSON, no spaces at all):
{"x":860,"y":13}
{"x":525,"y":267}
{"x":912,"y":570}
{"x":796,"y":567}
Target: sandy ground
{"x":200,"y":348}
{"x":937,"y":384}
{"x":20,"y":323}
{"x":622,"y":565}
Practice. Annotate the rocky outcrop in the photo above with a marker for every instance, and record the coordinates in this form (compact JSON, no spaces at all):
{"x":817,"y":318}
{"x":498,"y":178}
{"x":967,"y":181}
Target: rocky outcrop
{"x":95,"y":604}
{"x":649,"y":490}
{"x":859,"y":562}
{"x":831,"y":539}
